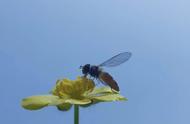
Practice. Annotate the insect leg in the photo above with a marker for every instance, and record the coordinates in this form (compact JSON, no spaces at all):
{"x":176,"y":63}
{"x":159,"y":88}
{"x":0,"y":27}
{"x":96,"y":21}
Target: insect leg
{"x":98,"y":82}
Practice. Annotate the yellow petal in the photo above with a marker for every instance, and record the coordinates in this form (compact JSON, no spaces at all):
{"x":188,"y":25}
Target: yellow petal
{"x":101,"y":90}
{"x":83,"y":84}
{"x":78,"y":102}
{"x":38,"y":102}
{"x":63,"y":88}
{"x":73,"y":88}
{"x":109,"y":97}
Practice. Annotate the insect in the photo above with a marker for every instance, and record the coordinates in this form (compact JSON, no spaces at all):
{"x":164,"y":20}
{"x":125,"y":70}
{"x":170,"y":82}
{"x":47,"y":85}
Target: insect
{"x":104,"y":77}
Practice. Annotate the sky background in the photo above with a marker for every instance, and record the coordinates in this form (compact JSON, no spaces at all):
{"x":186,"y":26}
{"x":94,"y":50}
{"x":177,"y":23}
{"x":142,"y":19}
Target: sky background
{"x":45,"y":40}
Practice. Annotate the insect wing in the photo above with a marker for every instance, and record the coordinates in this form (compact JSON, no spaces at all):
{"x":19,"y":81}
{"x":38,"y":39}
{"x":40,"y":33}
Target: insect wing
{"x":107,"y":79}
{"x":117,"y":60}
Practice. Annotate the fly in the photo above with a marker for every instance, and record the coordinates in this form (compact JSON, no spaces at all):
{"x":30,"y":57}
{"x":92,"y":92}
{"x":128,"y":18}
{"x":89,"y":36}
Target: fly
{"x":104,"y":77}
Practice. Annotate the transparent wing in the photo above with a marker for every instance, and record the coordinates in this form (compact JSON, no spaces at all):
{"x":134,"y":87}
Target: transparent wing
{"x":117,"y":60}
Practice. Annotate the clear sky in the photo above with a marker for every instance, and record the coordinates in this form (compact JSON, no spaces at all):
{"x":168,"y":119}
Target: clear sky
{"x":45,"y":40}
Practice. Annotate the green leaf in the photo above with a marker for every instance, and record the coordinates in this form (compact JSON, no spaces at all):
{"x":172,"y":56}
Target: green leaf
{"x":38,"y":102}
{"x":64,"y":106}
{"x":109,"y":98}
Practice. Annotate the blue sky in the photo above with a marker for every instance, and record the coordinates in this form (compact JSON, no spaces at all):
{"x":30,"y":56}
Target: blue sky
{"x":44,"y":40}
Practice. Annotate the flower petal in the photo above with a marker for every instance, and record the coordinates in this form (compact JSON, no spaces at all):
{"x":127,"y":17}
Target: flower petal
{"x":101,"y":90}
{"x":78,"y":102}
{"x":83,"y":84}
{"x":38,"y":102}
{"x":63,"y":88}
{"x":76,"y":89}
{"x":93,"y":102}
{"x":109,"y":98}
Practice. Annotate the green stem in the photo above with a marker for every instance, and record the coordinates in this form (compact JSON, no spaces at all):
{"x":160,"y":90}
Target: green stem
{"x":76,"y":114}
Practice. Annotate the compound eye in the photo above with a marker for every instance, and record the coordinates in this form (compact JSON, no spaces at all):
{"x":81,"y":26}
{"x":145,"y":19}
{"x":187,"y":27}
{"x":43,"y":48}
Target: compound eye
{"x":86,"y":68}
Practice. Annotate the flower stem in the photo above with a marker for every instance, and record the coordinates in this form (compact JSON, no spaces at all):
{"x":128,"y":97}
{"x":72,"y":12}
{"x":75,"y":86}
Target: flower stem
{"x":76,"y":114}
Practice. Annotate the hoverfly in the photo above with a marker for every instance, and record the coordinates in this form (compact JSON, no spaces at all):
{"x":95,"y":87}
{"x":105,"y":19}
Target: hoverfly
{"x":104,"y":77}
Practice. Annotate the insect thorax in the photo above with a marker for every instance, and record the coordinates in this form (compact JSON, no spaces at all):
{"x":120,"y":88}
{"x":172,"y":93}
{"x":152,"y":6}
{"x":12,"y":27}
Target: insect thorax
{"x":94,"y":71}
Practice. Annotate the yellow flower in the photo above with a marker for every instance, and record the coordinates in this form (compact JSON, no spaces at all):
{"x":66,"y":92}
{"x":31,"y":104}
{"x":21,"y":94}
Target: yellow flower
{"x":81,"y":91}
